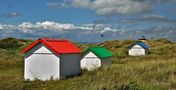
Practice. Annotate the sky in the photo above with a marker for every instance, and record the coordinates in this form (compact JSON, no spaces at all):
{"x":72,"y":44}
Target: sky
{"x":88,"y":20}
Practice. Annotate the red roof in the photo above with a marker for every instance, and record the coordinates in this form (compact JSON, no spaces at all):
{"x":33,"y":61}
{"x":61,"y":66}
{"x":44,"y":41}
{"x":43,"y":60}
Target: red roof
{"x":59,"y":46}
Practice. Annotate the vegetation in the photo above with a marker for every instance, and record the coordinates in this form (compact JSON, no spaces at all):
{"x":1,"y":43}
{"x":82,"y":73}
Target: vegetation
{"x":156,"y":71}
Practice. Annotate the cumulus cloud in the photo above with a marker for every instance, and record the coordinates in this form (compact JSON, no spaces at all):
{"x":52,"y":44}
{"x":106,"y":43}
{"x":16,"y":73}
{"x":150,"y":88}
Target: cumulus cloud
{"x":11,"y":14}
{"x":82,"y":3}
{"x":81,"y":33}
{"x":150,"y":18}
{"x":153,"y":18}
{"x":56,"y":5}
{"x":45,"y":25}
{"x":158,"y":32}
{"x":6,"y":26}
{"x":106,"y":7}
{"x":50,"y":25}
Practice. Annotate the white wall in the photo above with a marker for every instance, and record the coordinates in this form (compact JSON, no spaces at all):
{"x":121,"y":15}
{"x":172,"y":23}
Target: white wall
{"x":90,"y":61}
{"x":42,"y":66}
{"x":136,"y":50}
{"x":41,"y":63}
{"x":70,"y":65}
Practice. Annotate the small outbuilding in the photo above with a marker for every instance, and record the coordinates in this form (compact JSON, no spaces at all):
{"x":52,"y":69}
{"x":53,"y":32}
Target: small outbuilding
{"x":138,"y":48}
{"x":47,"y":59}
{"x":95,"y":57}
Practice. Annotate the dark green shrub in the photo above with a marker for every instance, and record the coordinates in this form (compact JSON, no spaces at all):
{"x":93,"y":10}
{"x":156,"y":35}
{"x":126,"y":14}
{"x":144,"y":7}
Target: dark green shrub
{"x":10,"y":43}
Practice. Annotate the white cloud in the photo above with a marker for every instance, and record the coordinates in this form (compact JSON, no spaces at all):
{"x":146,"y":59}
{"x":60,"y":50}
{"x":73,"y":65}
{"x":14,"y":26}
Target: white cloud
{"x":150,"y":18}
{"x":82,"y":33}
{"x":11,"y":14}
{"x":120,"y":6}
{"x":6,"y":26}
{"x":49,"y":25}
{"x":104,"y":7}
{"x":81,"y":3}
{"x":27,"y":27}
{"x":53,"y":25}
{"x":1,"y":26}
{"x":154,"y":15}
{"x":57,"y":4}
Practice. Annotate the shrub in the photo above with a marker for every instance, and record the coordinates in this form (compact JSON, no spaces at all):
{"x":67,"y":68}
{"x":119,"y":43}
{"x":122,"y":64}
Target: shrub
{"x":10,"y":43}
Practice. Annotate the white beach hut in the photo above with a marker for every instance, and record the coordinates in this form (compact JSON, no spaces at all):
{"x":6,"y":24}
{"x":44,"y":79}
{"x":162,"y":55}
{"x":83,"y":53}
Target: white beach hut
{"x":138,"y":48}
{"x":95,"y":57}
{"x":47,"y":59}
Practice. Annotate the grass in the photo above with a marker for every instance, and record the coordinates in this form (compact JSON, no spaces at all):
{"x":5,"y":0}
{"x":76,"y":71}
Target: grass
{"x":156,"y":71}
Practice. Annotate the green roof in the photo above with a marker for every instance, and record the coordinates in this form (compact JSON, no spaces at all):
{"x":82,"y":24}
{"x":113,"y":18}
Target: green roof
{"x":99,"y":51}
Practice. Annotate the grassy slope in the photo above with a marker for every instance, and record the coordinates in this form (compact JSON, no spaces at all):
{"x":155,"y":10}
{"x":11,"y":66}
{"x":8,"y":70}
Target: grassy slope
{"x":156,"y":71}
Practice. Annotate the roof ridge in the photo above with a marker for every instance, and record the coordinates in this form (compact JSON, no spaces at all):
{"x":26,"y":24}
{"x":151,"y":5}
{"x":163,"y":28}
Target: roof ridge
{"x":54,"y":40}
{"x":96,"y":47}
{"x":101,"y":52}
{"x":59,"y":46}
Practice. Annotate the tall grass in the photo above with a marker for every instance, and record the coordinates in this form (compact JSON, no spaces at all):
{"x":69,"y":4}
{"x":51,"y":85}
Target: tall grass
{"x":156,"y":71}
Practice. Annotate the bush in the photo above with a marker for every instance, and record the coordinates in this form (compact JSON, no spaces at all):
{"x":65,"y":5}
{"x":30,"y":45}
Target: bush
{"x":164,"y":40}
{"x":10,"y":43}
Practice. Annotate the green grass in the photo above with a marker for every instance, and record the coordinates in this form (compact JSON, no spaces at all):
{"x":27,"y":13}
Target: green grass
{"x":156,"y":71}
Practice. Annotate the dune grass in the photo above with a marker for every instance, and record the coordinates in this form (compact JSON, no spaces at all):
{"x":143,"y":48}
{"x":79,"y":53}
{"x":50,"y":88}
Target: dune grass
{"x":156,"y":71}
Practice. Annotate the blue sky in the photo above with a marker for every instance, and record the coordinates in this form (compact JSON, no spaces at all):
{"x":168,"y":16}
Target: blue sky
{"x":115,"y":18}
{"x":37,"y":10}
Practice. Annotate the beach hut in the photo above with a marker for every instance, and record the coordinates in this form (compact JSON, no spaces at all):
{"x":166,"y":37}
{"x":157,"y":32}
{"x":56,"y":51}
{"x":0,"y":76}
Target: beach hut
{"x":138,"y":48}
{"x":47,"y":59}
{"x":95,"y":57}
